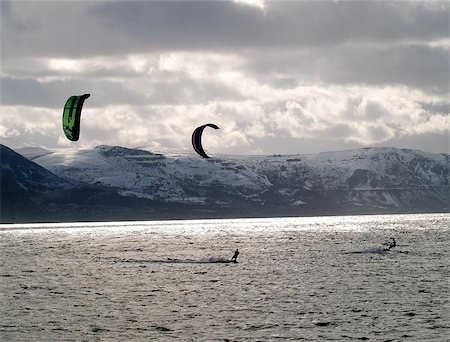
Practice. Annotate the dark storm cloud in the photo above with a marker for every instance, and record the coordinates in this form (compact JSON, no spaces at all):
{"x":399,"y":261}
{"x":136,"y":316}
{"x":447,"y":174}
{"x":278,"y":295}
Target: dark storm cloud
{"x":306,"y":41}
{"x":53,"y":94}
{"x":224,"y":24}
{"x":295,"y":75}
{"x":443,"y":107}
{"x":417,"y":66}
{"x":31,"y":92}
{"x":99,"y":28}
{"x":413,"y":65}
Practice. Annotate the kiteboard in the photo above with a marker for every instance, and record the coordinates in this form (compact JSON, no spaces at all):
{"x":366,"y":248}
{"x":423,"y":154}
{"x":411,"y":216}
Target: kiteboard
{"x":224,"y":262}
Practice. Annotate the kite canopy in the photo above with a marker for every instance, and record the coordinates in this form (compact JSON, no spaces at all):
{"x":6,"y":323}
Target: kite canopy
{"x":197,"y":139}
{"x":71,"y":116}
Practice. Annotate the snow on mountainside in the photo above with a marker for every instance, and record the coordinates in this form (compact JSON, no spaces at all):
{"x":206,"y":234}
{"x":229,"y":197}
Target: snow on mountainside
{"x":154,"y":176}
{"x":24,"y":185}
{"x":31,"y":193}
{"x":363,"y":169}
{"x":33,"y":152}
{"x":370,"y":177}
{"x":29,"y":177}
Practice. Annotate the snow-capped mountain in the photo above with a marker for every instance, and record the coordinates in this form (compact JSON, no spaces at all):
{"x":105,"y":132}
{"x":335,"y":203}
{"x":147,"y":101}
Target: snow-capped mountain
{"x":31,"y":193}
{"x":362,"y":180}
{"x":29,"y":177}
{"x":24,"y":184}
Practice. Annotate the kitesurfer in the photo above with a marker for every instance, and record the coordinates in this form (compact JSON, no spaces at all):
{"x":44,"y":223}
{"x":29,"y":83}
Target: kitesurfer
{"x":392,"y":243}
{"x":236,"y":253}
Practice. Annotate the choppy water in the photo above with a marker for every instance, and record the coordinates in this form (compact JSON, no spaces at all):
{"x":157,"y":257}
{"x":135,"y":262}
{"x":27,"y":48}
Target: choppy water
{"x":297,"y":279}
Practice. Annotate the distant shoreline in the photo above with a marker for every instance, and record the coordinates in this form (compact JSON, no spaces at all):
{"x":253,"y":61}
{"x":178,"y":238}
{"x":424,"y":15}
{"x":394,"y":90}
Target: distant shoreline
{"x":156,"y":218}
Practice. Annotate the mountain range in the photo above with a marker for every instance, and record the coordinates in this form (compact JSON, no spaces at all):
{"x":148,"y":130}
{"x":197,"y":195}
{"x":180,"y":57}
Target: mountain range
{"x":117,"y":183}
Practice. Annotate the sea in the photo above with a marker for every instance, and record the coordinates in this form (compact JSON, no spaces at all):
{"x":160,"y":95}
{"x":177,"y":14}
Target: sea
{"x":296,"y":279}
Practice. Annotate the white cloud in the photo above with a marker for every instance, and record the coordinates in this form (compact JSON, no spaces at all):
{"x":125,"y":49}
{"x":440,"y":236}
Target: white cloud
{"x":265,"y":72}
{"x":261,"y":4}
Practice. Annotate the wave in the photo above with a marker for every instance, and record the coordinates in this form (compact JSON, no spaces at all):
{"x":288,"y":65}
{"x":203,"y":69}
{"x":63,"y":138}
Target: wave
{"x":373,"y":250}
{"x":209,"y":260}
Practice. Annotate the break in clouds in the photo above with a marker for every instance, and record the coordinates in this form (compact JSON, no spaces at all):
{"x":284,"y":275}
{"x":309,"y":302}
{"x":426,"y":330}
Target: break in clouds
{"x":277,"y":77}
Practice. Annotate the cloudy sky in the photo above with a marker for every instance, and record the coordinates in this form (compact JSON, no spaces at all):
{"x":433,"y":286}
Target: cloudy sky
{"x":276,"y":76}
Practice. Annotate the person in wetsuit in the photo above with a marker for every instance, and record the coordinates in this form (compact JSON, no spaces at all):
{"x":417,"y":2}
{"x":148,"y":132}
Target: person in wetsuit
{"x":392,"y":243}
{"x":236,"y":253}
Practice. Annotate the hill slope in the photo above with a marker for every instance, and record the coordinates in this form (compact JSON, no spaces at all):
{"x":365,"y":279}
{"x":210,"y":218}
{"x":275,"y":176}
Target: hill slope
{"x":31,"y":193}
{"x":367,"y":180}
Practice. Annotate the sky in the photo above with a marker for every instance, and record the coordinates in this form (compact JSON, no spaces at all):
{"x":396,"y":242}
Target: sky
{"x":277,"y":77}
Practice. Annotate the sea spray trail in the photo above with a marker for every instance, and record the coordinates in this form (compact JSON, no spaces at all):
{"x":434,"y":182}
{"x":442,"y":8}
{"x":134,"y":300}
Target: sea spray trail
{"x":296,"y":278}
{"x":211,"y":260}
{"x":373,"y":250}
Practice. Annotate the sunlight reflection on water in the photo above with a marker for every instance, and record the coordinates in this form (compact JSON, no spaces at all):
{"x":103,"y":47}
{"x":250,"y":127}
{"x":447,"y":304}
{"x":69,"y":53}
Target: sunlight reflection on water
{"x":315,"y":278}
{"x":250,"y":225}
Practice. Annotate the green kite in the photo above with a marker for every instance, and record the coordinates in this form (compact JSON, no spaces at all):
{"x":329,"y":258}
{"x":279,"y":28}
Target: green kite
{"x":71,"y":116}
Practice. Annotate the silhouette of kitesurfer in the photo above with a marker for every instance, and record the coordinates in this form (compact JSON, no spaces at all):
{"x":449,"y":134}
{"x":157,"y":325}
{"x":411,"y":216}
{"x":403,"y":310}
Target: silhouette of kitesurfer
{"x":236,"y":253}
{"x":392,"y":243}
